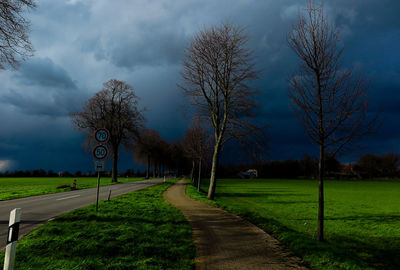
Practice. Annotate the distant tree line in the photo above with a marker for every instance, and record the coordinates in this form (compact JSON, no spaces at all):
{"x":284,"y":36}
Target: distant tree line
{"x":159,"y":156}
{"x":368,"y":166}
{"x":51,"y":173}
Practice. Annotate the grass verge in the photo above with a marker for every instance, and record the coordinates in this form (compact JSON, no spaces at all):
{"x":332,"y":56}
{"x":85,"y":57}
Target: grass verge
{"x":14,"y":187}
{"x":361,"y":226}
{"x":133,"y":231}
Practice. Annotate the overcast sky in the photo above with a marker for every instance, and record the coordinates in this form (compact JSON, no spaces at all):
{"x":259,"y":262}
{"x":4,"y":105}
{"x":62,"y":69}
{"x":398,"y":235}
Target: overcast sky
{"x":79,"y":44}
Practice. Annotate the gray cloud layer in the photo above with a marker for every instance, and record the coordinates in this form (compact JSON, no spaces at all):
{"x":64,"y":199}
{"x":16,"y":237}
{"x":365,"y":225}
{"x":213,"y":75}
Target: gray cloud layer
{"x":82,"y":43}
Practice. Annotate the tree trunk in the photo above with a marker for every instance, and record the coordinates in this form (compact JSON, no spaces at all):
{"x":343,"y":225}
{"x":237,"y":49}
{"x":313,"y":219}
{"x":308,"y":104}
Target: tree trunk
{"x":321,"y":164}
{"x":192,"y":172}
{"x":213,"y":178}
{"x":148,"y":167}
{"x":114,"y":175}
{"x":321,"y":168}
{"x":154,"y":169}
{"x":198,"y":180}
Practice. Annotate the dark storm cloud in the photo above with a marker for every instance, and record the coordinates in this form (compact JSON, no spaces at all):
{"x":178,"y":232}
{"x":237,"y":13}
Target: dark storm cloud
{"x":32,"y":105}
{"x":152,"y":46}
{"x":82,"y":43}
{"x":43,"y":89}
{"x":43,"y":72}
{"x":56,"y":104}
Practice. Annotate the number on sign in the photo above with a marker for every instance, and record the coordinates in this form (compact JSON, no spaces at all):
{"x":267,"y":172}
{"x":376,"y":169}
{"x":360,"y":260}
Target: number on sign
{"x":100,"y":152}
{"x":102,"y":135}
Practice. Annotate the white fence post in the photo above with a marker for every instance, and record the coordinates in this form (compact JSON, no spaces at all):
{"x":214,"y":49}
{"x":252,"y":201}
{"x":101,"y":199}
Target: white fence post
{"x":12,"y":237}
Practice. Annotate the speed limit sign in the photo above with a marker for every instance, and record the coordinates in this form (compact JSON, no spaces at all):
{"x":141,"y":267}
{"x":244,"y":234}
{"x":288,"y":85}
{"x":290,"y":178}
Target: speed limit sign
{"x":101,"y":135}
{"x":100,"y":152}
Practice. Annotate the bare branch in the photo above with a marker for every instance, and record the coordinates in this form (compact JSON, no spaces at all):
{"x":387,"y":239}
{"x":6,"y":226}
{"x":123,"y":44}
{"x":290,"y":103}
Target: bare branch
{"x":115,"y":108}
{"x":14,"y":29}
{"x":330,"y":101}
{"x":216,"y":75}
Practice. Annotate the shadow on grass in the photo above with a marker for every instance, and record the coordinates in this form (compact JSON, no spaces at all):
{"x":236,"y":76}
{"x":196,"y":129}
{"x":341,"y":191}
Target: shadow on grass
{"x":324,"y":255}
{"x":339,"y":252}
{"x":374,"y":252}
{"x":378,"y":218}
{"x":293,"y":202}
{"x":259,"y":194}
{"x":116,"y":219}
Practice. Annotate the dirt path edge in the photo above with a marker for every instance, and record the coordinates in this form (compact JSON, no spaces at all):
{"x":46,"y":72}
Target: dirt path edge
{"x":226,"y":241}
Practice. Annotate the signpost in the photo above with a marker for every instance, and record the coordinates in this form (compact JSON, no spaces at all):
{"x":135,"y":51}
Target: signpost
{"x":99,"y":165}
{"x":13,"y":230}
{"x":100,"y":153}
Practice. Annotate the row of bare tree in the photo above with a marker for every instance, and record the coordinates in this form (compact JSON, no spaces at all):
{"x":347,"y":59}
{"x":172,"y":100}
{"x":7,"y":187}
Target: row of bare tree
{"x":158,"y":155}
{"x":330,"y":100}
{"x":115,"y":108}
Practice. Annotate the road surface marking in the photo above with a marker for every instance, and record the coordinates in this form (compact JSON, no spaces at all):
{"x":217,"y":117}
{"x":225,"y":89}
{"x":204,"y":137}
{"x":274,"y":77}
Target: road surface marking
{"x":70,"y":197}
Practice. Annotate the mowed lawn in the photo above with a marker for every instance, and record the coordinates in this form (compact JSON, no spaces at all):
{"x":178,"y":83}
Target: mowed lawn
{"x":11,"y":188}
{"x":362,"y":226}
{"x":138,"y":230}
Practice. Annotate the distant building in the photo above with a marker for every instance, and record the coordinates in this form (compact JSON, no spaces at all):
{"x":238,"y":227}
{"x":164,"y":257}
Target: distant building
{"x":250,"y":173}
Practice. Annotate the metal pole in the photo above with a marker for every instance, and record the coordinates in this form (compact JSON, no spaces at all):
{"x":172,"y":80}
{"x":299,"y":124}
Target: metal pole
{"x":13,"y":229}
{"x":98,"y":187}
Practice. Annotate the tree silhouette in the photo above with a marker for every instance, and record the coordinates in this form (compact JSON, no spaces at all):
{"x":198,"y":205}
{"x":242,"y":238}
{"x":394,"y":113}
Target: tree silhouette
{"x":197,"y":146}
{"x":330,"y":101}
{"x":115,"y":108}
{"x":14,"y":29}
{"x":216,"y":73}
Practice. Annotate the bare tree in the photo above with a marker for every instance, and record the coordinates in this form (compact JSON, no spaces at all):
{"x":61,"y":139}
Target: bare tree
{"x":14,"y":28}
{"x":178,"y":160}
{"x":331,"y":102}
{"x":148,"y":150}
{"x":217,"y":69}
{"x":115,"y":108}
{"x":197,"y":146}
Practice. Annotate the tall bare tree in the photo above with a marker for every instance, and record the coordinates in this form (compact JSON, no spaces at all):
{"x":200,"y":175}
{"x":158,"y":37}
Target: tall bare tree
{"x":196,"y":143}
{"x":177,"y":158}
{"x":147,"y":149}
{"x":115,"y":108}
{"x":217,"y":70}
{"x":14,"y":29}
{"x":330,"y":101}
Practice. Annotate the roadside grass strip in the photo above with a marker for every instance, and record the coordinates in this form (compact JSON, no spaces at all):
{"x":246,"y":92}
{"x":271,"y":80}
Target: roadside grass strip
{"x":362,"y":218}
{"x":19,"y":187}
{"x":137,"y":230}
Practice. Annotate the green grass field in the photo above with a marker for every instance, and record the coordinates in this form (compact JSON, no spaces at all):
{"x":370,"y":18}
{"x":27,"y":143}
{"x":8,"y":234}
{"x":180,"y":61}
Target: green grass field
{"x":362,"y":226}
{"x":11,"y":188}
{"x":138,"y":230}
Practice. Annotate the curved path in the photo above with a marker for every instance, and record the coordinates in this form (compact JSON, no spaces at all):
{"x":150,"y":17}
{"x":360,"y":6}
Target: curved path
{"x":226,"y":241}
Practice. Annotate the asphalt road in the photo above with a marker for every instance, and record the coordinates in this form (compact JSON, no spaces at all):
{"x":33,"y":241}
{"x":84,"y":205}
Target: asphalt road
{"x":37,"y":210}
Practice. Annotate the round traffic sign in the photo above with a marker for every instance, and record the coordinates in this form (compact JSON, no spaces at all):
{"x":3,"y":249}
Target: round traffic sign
{"x":100,"y":152}
{"x":101,"y":135}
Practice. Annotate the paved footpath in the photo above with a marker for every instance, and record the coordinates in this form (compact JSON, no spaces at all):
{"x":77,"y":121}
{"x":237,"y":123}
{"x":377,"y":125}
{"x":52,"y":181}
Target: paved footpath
{"x":226,"y":241}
